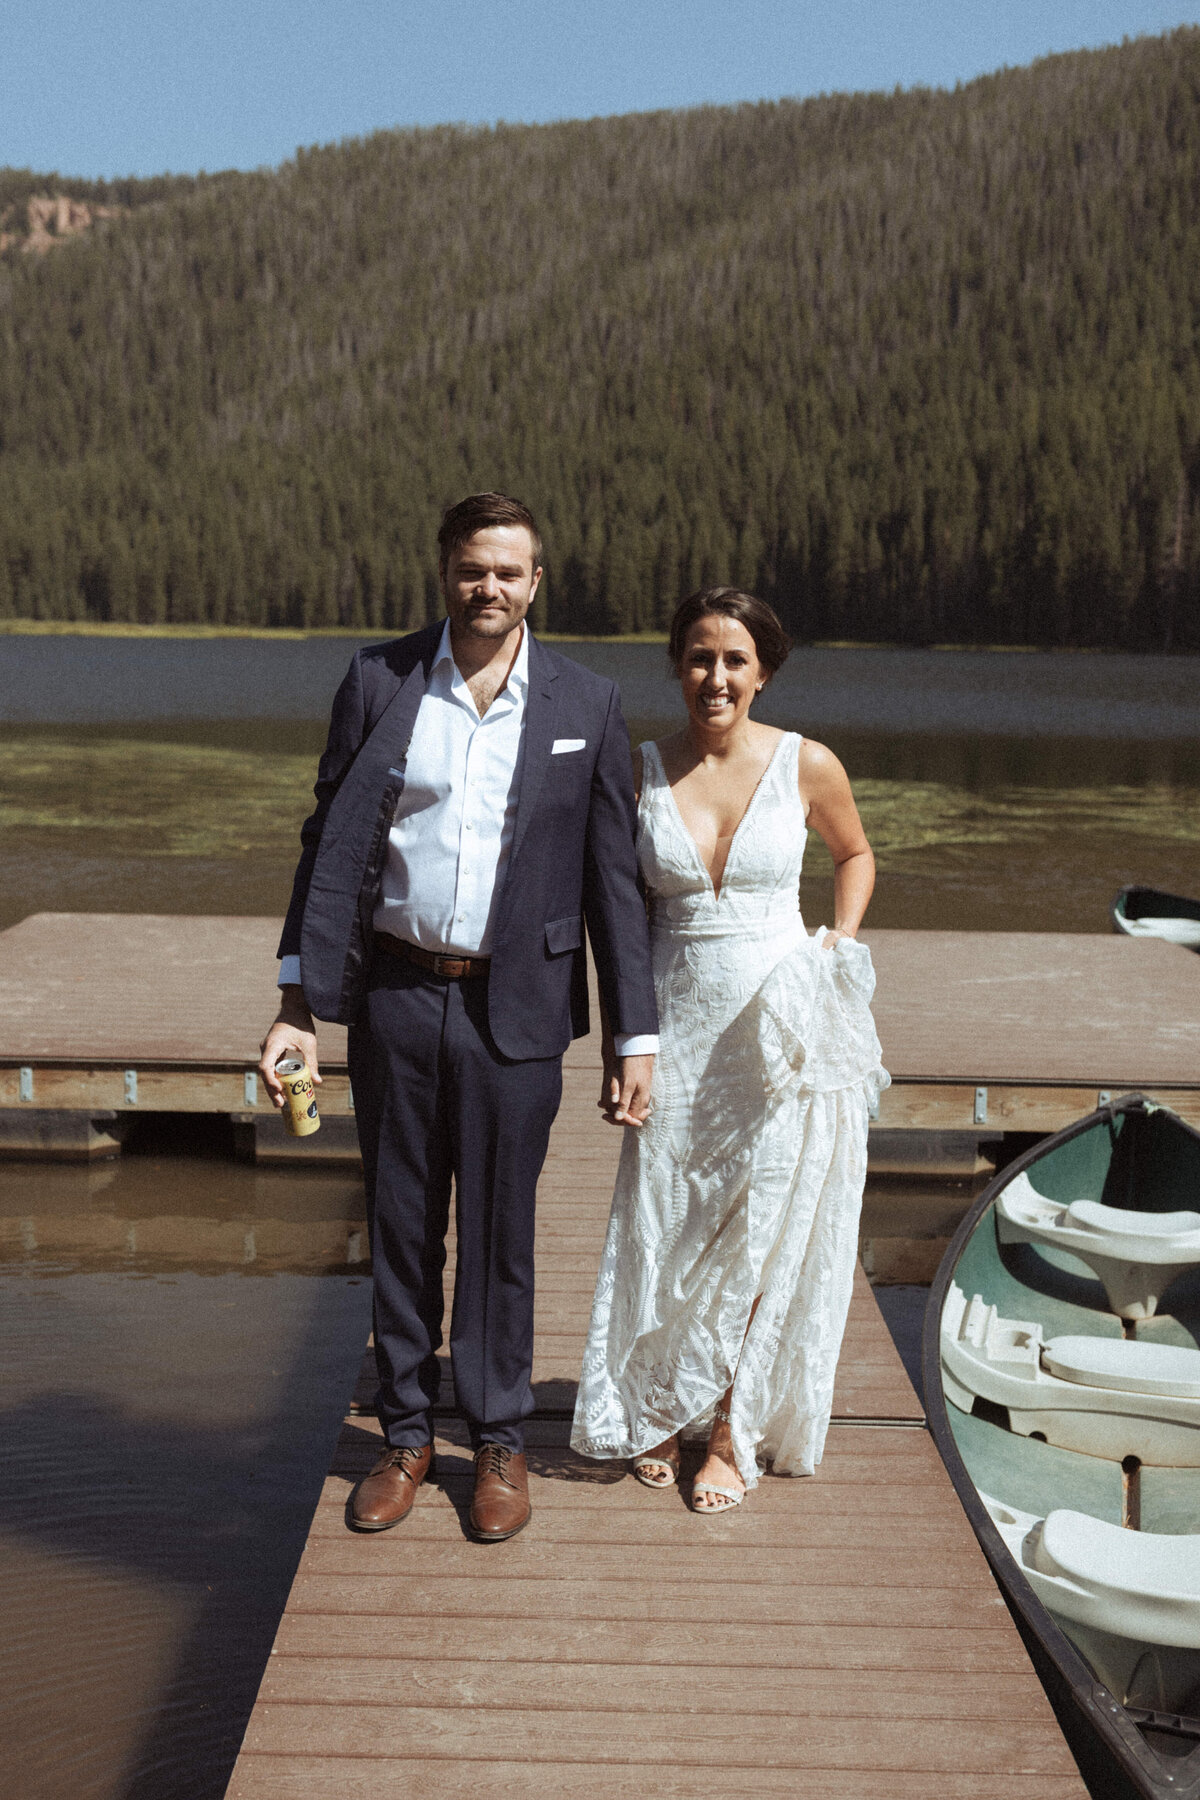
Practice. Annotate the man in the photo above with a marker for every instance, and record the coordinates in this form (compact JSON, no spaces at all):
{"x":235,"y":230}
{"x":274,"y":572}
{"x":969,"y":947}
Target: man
{"x":474,"y":806}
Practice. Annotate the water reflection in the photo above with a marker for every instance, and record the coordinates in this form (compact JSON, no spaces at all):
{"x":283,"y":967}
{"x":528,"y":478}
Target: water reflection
{"x":93,"y":679}
{"x":1000,"y":790}
{"x":158,"y":1214}
{"x":970,"y":833}
{"x":166,"y":1432}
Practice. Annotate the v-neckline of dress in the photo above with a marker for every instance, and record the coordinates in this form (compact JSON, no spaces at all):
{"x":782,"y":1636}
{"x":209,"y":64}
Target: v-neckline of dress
{"x":696,"y":851}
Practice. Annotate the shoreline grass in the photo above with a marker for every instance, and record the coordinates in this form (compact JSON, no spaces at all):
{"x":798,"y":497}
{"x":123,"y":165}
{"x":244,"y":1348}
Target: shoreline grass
{"x":291,"y":634}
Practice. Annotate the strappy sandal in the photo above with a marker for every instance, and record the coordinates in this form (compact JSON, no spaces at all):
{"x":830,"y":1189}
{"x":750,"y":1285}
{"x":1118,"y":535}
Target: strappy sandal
{"x":728,"y":1497}
{"x":655,"y":1459}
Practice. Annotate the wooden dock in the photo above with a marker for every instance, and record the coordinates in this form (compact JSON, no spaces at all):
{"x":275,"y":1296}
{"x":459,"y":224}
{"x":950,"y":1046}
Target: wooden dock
{"x":105,"y":1017}
{"x":839,"y":1637}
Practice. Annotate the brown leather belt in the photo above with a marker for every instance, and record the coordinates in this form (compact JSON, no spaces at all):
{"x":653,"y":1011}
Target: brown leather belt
{"x":457,"y":968}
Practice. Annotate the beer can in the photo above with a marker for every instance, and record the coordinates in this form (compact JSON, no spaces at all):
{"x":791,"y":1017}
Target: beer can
{"x":300,"y":1097}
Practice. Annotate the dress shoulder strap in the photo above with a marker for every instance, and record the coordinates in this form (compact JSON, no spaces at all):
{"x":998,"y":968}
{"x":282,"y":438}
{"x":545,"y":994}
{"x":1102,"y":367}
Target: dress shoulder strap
{"x":788,"y":760}
{"x":787,"y":767}
{"x":653,"y":773}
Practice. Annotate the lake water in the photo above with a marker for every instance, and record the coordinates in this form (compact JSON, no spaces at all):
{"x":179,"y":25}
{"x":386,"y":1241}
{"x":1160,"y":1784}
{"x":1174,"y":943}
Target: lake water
{"x":1001,"y":789}
{"x":182,"y":1331}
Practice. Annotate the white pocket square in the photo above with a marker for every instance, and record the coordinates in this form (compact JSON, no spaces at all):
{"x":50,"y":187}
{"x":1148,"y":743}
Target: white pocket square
{"x":561,"y":746}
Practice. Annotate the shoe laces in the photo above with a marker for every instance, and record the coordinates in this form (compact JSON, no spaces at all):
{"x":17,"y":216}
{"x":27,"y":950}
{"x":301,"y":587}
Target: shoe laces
{"x":492,"y":1459}
{"x":402,"y":1454}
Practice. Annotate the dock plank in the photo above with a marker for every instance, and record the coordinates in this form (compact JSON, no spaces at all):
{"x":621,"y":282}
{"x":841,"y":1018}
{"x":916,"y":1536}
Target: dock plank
{"x":537,"y":1560}
{"x":935,"y":1651}
{"x":702,"y":1739}
{"x":367,"y":1680}
{"x":369,"y":1779}
{"x":290,"y":1777}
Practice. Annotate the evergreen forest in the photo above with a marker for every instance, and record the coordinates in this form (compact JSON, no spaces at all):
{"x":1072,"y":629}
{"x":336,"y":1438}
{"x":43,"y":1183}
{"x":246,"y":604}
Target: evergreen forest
{"x":918,"y":367}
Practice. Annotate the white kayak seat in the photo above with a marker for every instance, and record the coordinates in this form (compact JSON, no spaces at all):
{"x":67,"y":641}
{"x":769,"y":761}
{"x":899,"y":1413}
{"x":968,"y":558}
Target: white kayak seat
{"x":1141,"y":1584}
{"x":1124,"y":1365}
{"x":1134,"y":1233}
{"x":1135,"y":1255}
{"x":1110,"y":1397}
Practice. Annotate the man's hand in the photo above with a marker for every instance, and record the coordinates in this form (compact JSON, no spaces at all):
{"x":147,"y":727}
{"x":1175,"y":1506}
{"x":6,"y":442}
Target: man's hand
{"x":625,"y":1099}
{"x":293,"y":1030}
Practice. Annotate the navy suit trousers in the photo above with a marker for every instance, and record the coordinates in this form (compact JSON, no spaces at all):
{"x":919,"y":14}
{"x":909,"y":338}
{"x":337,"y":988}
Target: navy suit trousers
{"x":436,"y":1102}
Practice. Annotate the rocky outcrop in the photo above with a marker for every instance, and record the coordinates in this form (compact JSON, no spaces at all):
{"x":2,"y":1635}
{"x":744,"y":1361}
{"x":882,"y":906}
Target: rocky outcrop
{"x":51,"y":219}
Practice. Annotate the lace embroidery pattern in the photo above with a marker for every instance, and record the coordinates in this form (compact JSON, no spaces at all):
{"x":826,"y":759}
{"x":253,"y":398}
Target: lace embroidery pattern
{"x":747,"y":1179}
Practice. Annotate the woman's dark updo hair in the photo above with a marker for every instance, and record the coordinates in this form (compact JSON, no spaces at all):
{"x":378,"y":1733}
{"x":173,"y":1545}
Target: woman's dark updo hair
{"x":771,"y":641}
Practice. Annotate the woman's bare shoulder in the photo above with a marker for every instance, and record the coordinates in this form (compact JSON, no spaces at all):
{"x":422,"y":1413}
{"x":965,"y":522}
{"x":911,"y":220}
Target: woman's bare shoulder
{"x":818,"y":767}
{"x":813,"y":755}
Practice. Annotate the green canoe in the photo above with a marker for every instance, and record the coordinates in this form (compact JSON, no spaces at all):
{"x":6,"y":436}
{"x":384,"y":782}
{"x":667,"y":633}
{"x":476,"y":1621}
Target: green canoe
{"x":1145,"y":912}
{"x":1062,"y":1385}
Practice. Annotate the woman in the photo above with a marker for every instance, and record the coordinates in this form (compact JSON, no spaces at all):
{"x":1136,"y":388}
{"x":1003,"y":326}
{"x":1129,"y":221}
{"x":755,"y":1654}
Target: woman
{"x":727,"y":1270}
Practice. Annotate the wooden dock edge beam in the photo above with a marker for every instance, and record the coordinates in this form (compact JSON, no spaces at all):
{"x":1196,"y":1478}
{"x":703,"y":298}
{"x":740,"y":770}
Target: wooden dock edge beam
{"x":969,"y":1104}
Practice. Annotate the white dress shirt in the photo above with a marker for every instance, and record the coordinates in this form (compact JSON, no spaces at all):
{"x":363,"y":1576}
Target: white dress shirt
{"x":452,"y":830}
{"x":453,"y":827}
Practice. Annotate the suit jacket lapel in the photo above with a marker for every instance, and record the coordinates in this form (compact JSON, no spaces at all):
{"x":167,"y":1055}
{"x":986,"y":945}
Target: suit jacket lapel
{"x":539,"y":738}
{"x":391,"y":733}
{"x":399,"y":713}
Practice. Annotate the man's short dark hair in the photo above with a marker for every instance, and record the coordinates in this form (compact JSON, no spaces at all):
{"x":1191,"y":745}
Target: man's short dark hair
{"x":479,"y":512}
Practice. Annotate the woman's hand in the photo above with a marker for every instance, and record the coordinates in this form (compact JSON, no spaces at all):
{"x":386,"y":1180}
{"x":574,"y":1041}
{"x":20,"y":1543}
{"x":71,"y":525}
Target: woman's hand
{"x":834,"y":936}
{"x":625,"y":1093}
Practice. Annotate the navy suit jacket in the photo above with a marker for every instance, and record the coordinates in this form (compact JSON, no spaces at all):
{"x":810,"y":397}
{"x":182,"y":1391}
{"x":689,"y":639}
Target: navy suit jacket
{"x":572,"y":855}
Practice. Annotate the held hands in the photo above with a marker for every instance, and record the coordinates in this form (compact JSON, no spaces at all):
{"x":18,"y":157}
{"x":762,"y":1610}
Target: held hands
{"x":293,"y":1030}
{"x":625,"y":1090}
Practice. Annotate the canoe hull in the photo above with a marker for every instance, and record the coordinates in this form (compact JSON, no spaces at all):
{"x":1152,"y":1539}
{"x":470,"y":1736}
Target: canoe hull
{"x":1119,"y":1698}
{"x":1147,"y":912}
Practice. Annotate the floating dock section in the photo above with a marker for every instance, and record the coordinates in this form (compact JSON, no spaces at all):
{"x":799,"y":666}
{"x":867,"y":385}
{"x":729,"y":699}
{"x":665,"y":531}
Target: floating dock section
{"x":106,"y":1017}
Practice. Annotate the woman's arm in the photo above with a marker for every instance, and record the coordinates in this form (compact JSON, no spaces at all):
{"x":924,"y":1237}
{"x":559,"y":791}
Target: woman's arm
{"x":614,"y":907}
{"x":825,"y":790}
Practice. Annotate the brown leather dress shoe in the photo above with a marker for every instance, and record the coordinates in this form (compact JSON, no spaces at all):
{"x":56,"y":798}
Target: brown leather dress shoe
{"x":386,"y":1495}
{"x":501,"y":1504}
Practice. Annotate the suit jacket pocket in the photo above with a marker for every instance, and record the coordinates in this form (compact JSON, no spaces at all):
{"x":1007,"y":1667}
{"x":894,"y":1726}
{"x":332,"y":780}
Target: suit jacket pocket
{"x":563,"y":935}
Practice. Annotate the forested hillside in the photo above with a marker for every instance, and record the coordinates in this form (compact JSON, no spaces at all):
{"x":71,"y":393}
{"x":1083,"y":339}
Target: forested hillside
{"x":919,"y":367}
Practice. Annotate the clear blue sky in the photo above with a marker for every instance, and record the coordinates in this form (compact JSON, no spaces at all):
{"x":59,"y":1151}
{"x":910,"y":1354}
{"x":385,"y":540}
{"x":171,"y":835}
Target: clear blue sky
{"x":120,"y":87}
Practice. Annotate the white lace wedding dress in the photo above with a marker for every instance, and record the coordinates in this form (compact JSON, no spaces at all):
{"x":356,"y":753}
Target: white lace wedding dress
{"x":747,"y":1178}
